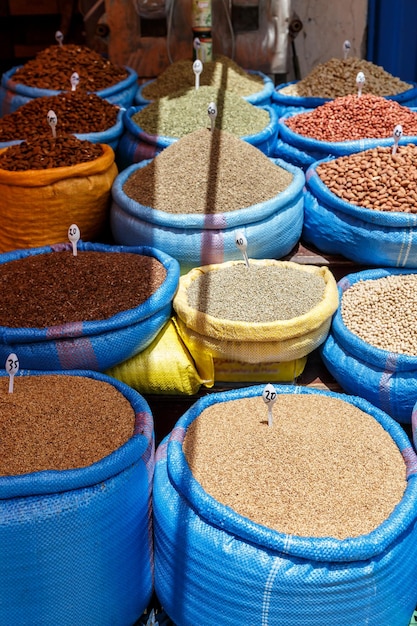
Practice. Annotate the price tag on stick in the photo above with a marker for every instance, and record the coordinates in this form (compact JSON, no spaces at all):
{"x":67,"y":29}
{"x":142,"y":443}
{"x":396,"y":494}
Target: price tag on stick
{"x":75,"y":79}
{"x":197,"y":69}
{"x":269,"y":396}
{"x":360,"y":81}
{"x":346,"y":49}
{"x":52,"y":121}
{"x":197,"y":47}
{"x":74,"y":237}
{"x":59,"y":37}
{"x":242,"y":243}
{"x":212,"y":113}
{"x":12,"y":367}
{"x":397,"y":134}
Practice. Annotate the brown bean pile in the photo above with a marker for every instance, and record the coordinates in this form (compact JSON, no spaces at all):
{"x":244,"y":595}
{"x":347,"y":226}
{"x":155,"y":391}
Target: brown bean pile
{"x":60,"y":422}
{"x":337,"y":77}
{"x":324,"y":469}
{"x":183,"y":113}
{"x":382,"y":312}
{"x":77,"y":112}
{"x":353,"y":117}
{"x":59,"y":287}
{"x":260,"y":293}
{"x":49,"y":152}
{"x":375,"y":179}
{"x":52,"y":69}
{"x":202,"y":173}
{"x":221,"y":73}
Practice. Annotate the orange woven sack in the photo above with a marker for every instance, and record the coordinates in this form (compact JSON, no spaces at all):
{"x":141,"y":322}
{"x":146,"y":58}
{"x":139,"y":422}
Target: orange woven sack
{"x":38,"y":206}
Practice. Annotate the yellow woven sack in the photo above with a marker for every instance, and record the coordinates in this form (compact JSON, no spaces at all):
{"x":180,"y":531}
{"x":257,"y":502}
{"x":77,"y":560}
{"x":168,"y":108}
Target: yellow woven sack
{"x":262,"y":342}
{"x":233,"y":372}
{"x":38,"y":206}
{"x":164,"y":367}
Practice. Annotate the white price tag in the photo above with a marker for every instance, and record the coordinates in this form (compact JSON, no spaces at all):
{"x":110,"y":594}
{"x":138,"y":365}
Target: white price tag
{"x":212,"y":113}
{"x":346,"y":49}
{"x":269,"y":396}
{"x":12,"y":367}
{"x":59,"y":37}
{"x":75,"y":79}
{"x":242,"y":243}
{"x":52,"y":121}
{"x":360,"y":81}
{"x":197,"y":69}
{"x":74,"y":237}
{"x":397,"y":134}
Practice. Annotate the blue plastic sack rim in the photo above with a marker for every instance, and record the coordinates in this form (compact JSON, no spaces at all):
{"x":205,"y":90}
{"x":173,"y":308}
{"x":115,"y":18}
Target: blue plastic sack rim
{"x":55,"y":481}
{"x":323,"y":549}
{"x":313,"y":101}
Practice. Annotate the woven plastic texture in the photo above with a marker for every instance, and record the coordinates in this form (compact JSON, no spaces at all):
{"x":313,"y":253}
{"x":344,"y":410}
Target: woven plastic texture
{"x":136,"y":145}
{"x":13,"y":95}
{"x":304,"y":151}
{"x":387,"y":380}
{"x":214,"y":566}
{"x":272,"y":228}
{"x":260,"y":98}
{"x":75,"y":545}
{"x":93,"y":345}
{"x":296,"y":104}
{"x":375,"y":238}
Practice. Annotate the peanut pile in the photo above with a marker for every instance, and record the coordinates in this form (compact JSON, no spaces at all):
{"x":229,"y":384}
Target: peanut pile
{"x":352,"y":117}
{"x":382,"y":312}
{"x":52,"y":69}
{"x":48,"y":152}
{"x":375,"y":179}
{"x":337,"y":77}
{"x":77,"y":112}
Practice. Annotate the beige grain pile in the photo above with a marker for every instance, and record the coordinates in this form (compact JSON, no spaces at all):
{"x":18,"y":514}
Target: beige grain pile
{"x":207,"y":172}
{"x":325,"y":468}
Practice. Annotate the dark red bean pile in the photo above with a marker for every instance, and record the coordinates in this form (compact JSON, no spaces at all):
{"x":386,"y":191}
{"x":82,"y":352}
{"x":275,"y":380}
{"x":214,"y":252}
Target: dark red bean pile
{"x":77,"y":112}
{"x":48,"y":152}
{"x":52,"y":69}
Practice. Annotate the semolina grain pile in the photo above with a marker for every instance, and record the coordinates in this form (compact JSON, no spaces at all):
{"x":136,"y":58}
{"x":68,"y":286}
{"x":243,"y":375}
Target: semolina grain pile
{"x":324,"y":469}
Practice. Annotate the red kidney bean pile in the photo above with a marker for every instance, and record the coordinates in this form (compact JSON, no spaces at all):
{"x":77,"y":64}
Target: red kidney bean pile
{"x":52,"y":69}
{"x":48,"y":152}
{"x":375,"y":179}
{"x":353,"y":117}
{"x":77,"y":112}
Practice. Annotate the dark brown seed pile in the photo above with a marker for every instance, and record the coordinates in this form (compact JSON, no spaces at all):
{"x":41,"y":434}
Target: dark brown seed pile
{"x":52,"y":69}
{"x":77,"y":112}
{"x":50,"y":289}
{"x":60,"y":422}
{"x":202,"y":173}
{"x":49,"y":152}
{"x":323,"y":469}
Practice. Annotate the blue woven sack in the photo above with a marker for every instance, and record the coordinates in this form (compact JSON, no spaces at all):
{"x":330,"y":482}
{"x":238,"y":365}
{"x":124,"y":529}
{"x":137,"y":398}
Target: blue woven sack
{"x":215,"y":566}
{"x":376,"y":238}
{"x":305,"y":151}
{"x":110,"y":136}
{"x":296,"y":104}
{"x":13,"y":95}
{"x":260,"y":98}
{"x":387,"y":379}
{"x":75,"y":545}
{"x":136,"y":145}
{"x":92,"y":345}
{"x":272,"y":227}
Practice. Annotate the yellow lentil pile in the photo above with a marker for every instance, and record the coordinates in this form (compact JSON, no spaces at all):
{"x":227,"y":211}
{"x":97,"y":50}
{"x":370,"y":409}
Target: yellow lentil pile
{"x":202,"y":173}
{"x":324,"y":469}
{"x":182,"y":113}
{"x":221,"y":73}
{"x":337,"y":77}
{"x":382,"y":312}
{"x":375,"y":179}
{"x":352,"y":117}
